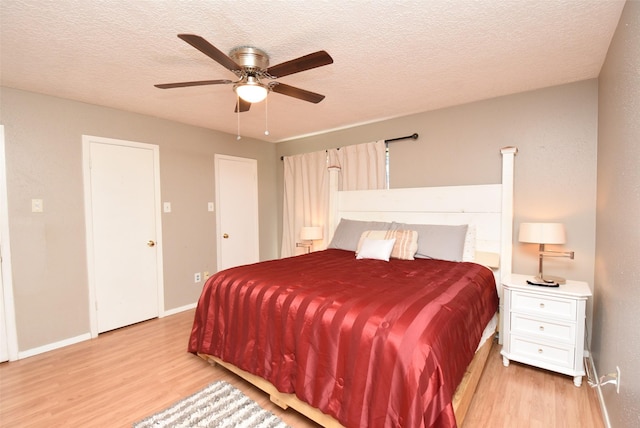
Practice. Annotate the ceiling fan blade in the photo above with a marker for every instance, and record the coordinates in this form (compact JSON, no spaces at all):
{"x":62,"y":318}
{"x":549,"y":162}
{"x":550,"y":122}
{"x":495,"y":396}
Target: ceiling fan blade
{"x":307,"y":62}
{"x":211,"y":51}
{"x":196,"y":83}
{"x":242,"y":105}
{"x":301,"y":94}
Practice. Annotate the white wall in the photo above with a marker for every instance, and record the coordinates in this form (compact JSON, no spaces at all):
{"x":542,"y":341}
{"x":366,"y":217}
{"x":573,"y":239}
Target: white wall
{"x":616,"y":335}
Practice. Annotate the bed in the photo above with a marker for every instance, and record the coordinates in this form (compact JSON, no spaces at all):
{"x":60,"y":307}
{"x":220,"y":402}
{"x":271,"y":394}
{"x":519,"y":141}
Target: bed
{"x":368,"y":341}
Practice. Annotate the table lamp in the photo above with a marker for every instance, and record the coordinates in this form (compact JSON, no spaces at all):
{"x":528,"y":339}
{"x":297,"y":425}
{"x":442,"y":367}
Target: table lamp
{"x":545,"y":233}
{"x":308,"y":234}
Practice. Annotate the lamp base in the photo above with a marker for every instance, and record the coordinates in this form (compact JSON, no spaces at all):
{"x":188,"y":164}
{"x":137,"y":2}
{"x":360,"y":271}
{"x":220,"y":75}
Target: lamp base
{"x":549,"y":279}
{"x":556,"y":279}
{"x":305,"y":244}
{"x":539,"y":283}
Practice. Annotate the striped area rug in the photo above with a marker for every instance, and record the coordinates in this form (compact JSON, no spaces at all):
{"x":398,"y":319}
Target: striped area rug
{"x":220,"y":405}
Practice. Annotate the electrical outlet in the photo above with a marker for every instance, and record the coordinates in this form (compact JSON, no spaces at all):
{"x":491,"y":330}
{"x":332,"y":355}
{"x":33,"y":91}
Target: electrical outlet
{"x":618,"y":380}
{"x":197,"y":278}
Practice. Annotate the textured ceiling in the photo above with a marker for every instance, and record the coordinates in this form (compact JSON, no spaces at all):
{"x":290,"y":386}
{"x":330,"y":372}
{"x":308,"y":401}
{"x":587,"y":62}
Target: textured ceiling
{"x":391,"y":58}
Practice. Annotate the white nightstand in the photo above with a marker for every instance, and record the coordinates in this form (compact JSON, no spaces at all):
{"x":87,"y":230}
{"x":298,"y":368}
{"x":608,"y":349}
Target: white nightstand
{"x":544,"y":326}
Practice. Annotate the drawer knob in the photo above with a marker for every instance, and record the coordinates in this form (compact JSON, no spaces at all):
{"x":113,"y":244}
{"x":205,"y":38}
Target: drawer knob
{"x":541,"y":305}
{"x":541,"y":328}
{"x":540,"y":351}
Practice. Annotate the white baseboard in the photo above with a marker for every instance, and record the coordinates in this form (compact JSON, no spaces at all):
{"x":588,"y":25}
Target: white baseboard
{"x":86,"y":336}
{"x":178,"y":310}
{"x":52,"y":346}
{"x":603,"y":406}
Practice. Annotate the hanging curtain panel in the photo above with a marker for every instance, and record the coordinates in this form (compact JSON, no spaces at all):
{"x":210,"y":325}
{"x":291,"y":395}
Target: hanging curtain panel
{"x":362,"y":166}
{"x":306,"y":187}
{"x":306,"y":199}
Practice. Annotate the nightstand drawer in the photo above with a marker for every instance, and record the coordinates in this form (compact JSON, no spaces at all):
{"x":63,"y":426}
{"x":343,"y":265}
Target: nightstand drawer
{"x":553,"y":354}
{"x":546,"y":329}
{"x":542,"y":305}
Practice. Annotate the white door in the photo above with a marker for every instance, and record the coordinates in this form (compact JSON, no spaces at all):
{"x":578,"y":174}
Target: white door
{"x":123,"y":227}
{"x":237,"y":211}
{"x":8,"y":339}
{"x":4,"y":343}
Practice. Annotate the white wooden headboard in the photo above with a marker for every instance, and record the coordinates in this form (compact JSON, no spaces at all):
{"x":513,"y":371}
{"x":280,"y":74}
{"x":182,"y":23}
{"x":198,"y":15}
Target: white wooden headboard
{"x":489,"y":207}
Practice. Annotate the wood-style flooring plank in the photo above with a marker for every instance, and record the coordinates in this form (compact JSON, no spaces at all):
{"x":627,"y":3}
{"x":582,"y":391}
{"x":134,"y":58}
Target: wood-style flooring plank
{"x":127,"y":374}
{"x":524,"y":396}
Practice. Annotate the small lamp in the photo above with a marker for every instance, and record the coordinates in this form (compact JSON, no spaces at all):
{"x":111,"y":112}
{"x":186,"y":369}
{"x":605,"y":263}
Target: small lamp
{"x":308,"y":234}
{"x":545,"y":233}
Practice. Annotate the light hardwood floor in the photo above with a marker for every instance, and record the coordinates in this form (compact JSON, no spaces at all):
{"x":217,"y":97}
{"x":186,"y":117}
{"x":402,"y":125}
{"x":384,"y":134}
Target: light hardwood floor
{"x":128,"y":374}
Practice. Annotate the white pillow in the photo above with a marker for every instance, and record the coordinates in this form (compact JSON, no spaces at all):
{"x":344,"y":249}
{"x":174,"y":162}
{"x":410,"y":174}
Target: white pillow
{"x":378,"y":249}
{"x":406,"y":242}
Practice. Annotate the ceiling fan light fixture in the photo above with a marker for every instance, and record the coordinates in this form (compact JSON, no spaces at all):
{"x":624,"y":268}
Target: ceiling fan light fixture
{"x":251,"y":90}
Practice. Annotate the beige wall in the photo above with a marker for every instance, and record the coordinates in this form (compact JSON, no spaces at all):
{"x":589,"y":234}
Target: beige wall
{"x":555,"y":130}
{"x":616,"y":336}
{"x":44,"y":160}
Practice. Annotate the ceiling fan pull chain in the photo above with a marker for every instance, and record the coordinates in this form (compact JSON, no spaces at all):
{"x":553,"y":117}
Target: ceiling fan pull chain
{"x":266,"y":116}
{"x":238,"y":114}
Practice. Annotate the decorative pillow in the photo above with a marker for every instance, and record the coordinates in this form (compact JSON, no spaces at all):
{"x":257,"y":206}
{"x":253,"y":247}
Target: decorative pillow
{"x":438,"y":241}
{"x":348,"y":232}
{"x":379,"y":249}
{"x":406,"y":242}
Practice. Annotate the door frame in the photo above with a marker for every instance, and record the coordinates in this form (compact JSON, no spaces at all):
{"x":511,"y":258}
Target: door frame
{"x":86,"y":172}
{"x":255,"y":246}
{"x":6,"y":282}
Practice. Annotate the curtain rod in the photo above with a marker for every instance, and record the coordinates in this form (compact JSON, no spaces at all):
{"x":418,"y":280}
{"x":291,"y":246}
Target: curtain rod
{"x":413,"y":136}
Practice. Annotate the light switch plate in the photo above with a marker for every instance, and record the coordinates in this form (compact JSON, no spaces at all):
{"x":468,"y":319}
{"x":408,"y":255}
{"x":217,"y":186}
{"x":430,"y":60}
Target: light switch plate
{"x":167,"y":207}
{"x":210,"y":206}
{"x":36,"y":206}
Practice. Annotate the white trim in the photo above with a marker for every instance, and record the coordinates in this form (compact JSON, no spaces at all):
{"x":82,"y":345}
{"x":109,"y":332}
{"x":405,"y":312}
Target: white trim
{"x":86,"y":173}
{"x":54,"y":346}
{"x":5,"y":250}
{"x":603,"y":406}
{"x":506,"y":240}
{"x":179,"y":309}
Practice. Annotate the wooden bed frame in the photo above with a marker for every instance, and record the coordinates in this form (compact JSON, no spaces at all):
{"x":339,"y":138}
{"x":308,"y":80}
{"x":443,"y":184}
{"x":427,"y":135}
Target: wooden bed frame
{"x":488,"y":207}
{"x":461,"y":399}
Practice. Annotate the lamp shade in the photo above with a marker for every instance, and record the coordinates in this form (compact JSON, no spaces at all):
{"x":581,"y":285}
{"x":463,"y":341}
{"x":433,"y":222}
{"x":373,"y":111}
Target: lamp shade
{"x":542,"y":233}
{"x":251,"y":90}
{"x":310,"y":233}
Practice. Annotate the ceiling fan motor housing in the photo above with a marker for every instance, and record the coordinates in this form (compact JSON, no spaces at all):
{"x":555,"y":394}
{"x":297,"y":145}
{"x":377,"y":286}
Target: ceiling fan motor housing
{"x":250,"y":58}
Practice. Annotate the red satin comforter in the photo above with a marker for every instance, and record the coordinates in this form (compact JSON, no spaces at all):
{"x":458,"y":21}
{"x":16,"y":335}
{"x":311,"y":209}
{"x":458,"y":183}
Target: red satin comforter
{"x":372,"y":343}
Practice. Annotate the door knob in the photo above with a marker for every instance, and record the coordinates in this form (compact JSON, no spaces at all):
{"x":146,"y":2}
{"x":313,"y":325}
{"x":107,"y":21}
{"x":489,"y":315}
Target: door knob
{"x":151,"y":244}
{"x":225,"y":236}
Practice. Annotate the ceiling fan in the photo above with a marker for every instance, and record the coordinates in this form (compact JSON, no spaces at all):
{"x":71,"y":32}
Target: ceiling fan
{"x":256,"y":78}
